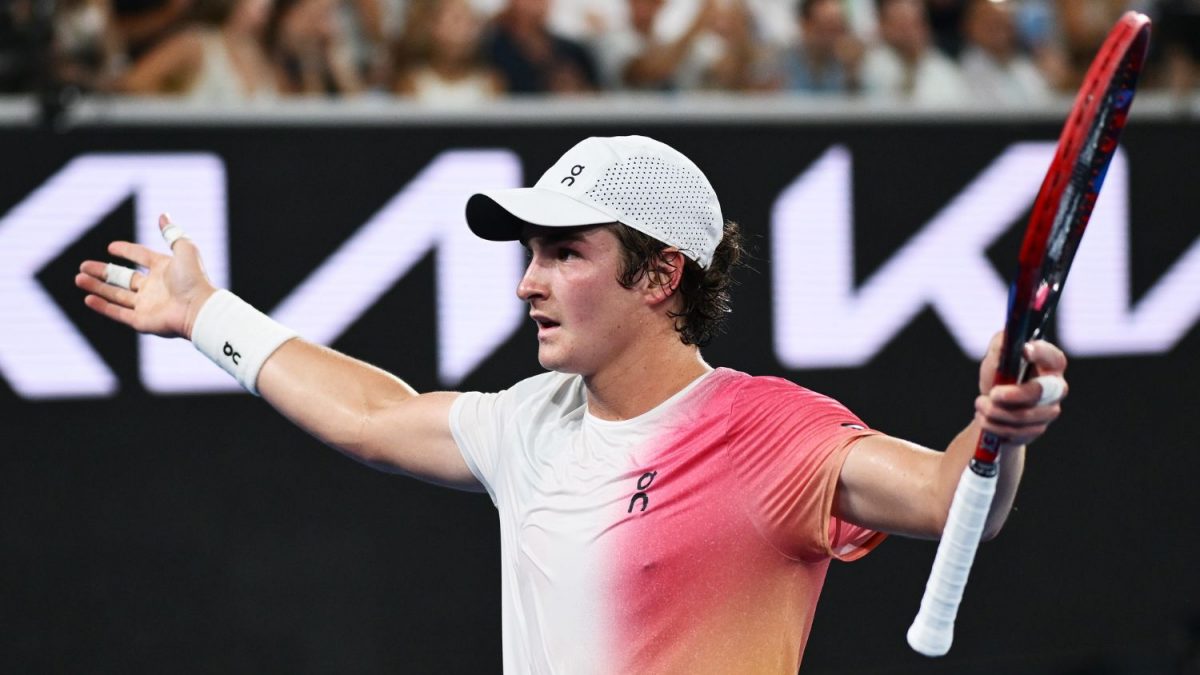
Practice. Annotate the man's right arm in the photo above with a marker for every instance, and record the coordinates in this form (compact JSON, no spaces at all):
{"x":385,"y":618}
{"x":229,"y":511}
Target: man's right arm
{"x":354,"y":407}
{"x":365,"y":413}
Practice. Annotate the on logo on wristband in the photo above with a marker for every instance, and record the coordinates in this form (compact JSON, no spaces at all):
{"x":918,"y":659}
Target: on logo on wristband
{"x":226,"y":320}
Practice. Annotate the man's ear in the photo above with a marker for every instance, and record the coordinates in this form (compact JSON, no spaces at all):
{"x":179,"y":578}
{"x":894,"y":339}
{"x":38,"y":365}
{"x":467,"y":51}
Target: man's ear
{"x":665,"y":275}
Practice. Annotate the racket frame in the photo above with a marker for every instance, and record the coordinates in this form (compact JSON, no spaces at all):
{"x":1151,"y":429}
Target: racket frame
{"x":1059,"y":217}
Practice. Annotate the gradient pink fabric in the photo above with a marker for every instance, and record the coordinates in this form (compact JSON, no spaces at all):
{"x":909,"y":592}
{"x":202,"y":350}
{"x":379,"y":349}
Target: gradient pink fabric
{"x":722,"y":571}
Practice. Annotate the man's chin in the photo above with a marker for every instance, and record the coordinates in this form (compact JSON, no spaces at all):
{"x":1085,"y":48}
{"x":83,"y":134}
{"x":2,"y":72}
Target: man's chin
{"x":558,"y":365}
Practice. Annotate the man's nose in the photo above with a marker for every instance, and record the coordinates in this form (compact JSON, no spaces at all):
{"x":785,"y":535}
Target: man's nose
{"x":531,"y":285}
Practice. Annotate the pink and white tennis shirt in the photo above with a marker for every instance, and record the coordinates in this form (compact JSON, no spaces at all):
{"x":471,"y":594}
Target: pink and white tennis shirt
{"x":694,"y":538}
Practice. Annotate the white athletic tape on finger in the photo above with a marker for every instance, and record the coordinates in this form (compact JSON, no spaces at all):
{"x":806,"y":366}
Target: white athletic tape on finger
{"x":1052,"y":389}
{"x":172,"y":233}
{"x":117,"y":275}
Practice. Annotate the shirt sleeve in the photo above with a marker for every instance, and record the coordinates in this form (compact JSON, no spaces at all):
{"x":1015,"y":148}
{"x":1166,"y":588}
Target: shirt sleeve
{"x":476,"y":421}
{"x":788,"y":445}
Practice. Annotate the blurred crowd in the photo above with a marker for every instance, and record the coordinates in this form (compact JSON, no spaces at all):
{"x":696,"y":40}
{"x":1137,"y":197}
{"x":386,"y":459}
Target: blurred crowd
{"x":998,"y":52}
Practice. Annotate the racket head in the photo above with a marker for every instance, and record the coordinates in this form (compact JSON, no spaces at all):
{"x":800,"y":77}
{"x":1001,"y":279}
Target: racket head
{"x":1071,"y":187}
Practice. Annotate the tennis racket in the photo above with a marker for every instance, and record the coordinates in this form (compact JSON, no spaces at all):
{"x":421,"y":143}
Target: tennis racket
{"x":1060,"y":215}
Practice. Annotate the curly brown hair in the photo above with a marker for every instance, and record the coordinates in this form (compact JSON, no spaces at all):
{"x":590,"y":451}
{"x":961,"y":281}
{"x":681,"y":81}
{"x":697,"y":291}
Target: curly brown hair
{"x":705,"y":292}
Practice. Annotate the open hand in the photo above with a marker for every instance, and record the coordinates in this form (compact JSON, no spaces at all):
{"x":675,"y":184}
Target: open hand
{"x":163,"y":297}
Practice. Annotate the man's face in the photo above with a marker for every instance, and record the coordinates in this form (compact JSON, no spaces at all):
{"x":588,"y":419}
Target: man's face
{"x":585,"y":317}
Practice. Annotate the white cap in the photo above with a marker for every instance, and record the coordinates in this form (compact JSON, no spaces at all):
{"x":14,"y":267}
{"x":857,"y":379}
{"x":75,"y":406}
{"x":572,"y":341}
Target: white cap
{"x":633,"y":180}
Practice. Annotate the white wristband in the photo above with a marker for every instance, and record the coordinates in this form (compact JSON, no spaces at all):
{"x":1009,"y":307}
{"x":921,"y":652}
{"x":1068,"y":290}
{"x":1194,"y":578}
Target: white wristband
{"x":237,"y":337}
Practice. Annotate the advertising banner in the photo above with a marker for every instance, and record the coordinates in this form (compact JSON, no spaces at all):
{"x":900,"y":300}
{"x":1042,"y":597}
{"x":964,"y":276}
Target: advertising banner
{"x":156,"y":518}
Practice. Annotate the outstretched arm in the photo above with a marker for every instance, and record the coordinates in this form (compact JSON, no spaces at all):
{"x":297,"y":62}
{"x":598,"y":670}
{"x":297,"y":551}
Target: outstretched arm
{"x":352,"y":406}
{"x":892,"y":485}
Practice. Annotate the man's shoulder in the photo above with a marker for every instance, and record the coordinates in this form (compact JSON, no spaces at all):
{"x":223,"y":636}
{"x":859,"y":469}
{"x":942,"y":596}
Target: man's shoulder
{"x":549,"y":390}
{"x":763,"y":394}
{"x":773,"y":384}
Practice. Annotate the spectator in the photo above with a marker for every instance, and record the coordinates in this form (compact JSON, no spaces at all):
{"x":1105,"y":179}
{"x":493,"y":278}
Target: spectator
{"x":444,"y":62}
{"x":87,"y":50}
{"x":1039,"y":36}
{"x":863,"y":16}
{"x":369,"y":27}
{"x":945,"y":23}
{"x":531,"y":59}
{"x":310,"y":53}
{"x":219,"y":59}
{"x":1036,"y":23}
{"x":143,"y":24}
{"x":19,"y":44}
{"x":635,"y":57}
{"x":995,"y":69}
{"x":828,"y":56}
{"x":1084,"y":25}
{"x":1179,"y":38}
{"x":906,"y":64}
{"x":733,"y":25}
{"x":585,"y":20}
{"x":775,"y":23}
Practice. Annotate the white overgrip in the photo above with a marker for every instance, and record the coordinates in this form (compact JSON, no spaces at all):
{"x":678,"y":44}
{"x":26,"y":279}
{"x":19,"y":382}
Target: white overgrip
{"x":933,"y":630}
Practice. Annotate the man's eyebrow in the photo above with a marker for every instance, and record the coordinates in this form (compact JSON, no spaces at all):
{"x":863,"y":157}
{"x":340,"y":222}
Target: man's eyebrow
{"x":551,"y":238}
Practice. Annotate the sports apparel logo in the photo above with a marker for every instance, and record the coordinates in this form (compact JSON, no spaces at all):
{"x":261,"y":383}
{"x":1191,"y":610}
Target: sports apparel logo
{"x":575,"y":171}
{"x":643,"y":484}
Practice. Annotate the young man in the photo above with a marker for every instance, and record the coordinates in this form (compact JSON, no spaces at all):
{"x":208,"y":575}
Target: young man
{"x":656,"y":514}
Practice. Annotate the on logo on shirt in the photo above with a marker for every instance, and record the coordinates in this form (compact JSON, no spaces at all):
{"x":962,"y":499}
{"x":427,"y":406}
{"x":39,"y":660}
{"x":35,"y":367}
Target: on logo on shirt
{"x":643,"y":485}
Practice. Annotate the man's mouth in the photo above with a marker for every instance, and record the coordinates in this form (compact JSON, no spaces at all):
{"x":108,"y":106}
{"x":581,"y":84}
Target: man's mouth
{"x":543,"y":322}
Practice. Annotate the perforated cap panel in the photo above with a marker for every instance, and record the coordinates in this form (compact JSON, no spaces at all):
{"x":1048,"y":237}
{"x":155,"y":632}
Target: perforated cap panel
{"x":665,"y":200}
{"x":643,"y":183}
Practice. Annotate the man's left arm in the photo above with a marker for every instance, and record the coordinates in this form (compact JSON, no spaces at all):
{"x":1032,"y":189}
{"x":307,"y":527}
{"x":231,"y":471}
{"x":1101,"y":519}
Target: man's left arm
{"x":895,"y":486}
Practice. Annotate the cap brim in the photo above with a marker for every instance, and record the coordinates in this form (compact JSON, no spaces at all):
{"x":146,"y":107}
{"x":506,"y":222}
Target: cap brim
{"x":501,"y":215}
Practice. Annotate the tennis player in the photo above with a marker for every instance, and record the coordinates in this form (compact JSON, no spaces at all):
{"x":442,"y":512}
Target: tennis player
{"x":656,"y":514}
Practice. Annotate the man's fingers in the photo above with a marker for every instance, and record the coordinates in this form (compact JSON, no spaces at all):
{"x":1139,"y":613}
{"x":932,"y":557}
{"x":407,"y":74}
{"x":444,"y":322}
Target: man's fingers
{"x":133,"y":252}
{"x":995,"y":344}
{"x":119,"y":276}
{"x":115,"y":312}
{"x":1017,"y":426}
{"x":1054,"y":388}
{"x":1020,"y":416}
{"x":1020,"y":413}
{"x":1045,"y":357}
{"x":106,"y":291}
{"x":171,"y":232}
{"x":1040,"y":391}
{"x":990,"y":362}
{"x":100,"y":271}
{"x":1015,"y":434}
{"x":94,"y":269}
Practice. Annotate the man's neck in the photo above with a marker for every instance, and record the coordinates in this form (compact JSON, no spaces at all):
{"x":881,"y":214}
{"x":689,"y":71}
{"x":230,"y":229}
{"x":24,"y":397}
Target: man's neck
{"x":637,"y":385}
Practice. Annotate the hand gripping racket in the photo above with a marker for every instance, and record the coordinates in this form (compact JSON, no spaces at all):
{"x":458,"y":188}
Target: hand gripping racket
{"x":1060,"y":213}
